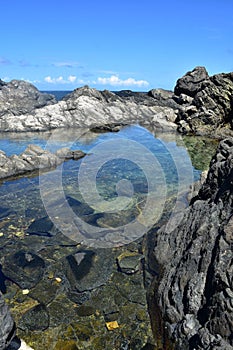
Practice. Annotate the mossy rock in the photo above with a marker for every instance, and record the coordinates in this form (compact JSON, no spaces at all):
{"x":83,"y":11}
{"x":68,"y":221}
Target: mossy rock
{"x":66,"y":345}
{"x":129,"y":262}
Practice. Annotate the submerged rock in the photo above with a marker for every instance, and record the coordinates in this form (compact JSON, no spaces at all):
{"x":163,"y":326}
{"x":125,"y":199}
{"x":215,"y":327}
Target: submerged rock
{"x":129,"y":262}
{"x":195,"y":291}
{"x":25,"y":268}
{"x":88,"y":269}
{"x":36,"y":319}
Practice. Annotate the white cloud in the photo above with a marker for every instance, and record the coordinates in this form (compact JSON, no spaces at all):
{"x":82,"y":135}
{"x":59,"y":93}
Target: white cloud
{"x":72,"y":78}
{"x":114,"y":80}
{"x":6,"y":79}
{"x":60,"y":80}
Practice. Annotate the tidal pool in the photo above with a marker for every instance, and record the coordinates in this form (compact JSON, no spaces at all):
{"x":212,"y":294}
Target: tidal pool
{"x":71,"y":254}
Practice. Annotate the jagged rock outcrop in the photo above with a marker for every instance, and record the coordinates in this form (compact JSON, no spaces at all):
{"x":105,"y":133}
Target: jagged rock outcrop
{"x":20,"y":97}
{"x":195,"y":293}
{"x":206,"y":103}
{"x":87,"y":107}
{"x":7,"y":325}
{"x":201,"y":105}
{"x":34,"y":158}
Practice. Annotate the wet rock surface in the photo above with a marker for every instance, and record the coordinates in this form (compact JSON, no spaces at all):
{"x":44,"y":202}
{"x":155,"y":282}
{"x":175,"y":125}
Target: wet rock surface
{"x":94,"y":307}
{"x":32,"y":159}
{"x":65,"y":295}
{"x":195,"y":292}
{"x":206,"y":103}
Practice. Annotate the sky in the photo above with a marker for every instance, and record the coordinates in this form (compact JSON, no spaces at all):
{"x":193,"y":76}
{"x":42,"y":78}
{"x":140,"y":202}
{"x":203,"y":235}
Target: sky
{"x":114,"y":45}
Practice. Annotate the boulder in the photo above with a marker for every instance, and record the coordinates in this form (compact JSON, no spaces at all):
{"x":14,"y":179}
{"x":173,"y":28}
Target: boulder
{"x":191,"y":82}
{"x":34,"y":158}
{"x":195,"y":291}
{"x":206,"y":103}
{"x":20,"y":97}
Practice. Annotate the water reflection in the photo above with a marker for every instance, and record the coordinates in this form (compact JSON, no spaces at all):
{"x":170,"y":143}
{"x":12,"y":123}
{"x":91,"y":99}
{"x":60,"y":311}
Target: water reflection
{"x":22,"y":196}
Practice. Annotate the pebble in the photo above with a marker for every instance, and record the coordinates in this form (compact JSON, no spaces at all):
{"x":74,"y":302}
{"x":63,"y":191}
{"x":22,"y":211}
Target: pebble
{"x":25,"y":291}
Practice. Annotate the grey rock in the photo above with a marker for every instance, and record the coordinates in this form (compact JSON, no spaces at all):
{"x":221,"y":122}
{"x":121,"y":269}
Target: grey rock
{"x":191,"y":82}
{"x":195,"y":290}
{"x":34,"y":158}
{"x":87,"y":107}
{"x":25,"y":268}
{"x":88,"y":269}
{"x":206,"y":103}
{"x":7,"y":325}
{"x":164,"y":98}
{"x":20,"y":97}
{"x":129,"y":262}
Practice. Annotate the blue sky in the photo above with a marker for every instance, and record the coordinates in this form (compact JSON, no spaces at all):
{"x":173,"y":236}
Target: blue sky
{"x":115,"y":45}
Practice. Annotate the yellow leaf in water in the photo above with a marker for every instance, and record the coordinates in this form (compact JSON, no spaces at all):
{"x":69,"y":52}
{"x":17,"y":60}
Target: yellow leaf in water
{"x":112,"y":325}
{"x":58,"y":279}
{"x":25,"y":291}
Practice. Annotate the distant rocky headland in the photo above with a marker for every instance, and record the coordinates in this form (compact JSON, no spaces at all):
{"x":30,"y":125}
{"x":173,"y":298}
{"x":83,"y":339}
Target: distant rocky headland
{"x":200,"y":105}
{"x":189,"y":260}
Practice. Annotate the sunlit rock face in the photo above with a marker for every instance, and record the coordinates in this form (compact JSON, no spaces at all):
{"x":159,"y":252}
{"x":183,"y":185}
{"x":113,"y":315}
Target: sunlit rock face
{"x":20,"y":97}
{"x":89,"y":107}
{"x":206,"y":103}
{"x":196,"y":290}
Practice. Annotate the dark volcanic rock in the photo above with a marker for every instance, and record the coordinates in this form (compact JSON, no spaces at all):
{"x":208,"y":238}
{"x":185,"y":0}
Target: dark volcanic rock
{"x":25,"y":268}
{"x":20,"y":97}
{"x":207,"y":103}
{"x":164,"y":98}
{"x":42,"y":227}
{"x":191,"y":83}
{"x":88,"y":269}
{"x":36,"y":319}
{"x":195,"y":293}
{"x":7,"y":326}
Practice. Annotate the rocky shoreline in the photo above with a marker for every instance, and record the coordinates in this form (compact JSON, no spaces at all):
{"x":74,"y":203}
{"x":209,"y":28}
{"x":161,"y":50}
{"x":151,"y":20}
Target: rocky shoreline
{"x":194,"y":291}
{"x":200,"y":105}
{"x":34,"y":158}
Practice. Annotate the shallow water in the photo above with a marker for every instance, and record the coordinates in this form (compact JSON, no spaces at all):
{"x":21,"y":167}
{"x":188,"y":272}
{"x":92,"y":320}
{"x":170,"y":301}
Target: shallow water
{"x":61,"y":221}
{"x":126,"y":183}
{"x":110,"y":186}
